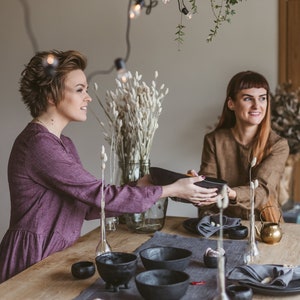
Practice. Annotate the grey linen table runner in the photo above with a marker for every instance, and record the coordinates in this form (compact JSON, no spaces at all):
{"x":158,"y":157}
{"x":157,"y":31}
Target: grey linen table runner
{"x":196,"y":269}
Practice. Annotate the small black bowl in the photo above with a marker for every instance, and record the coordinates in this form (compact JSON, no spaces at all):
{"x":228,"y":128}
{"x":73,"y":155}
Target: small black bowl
{"x":238,"y":233}
{"x":83,"y":269}
{"x":171,"y":258}
{"x":212,"y":261}
{"x":162,"y":284}
{"x":237,"y":292}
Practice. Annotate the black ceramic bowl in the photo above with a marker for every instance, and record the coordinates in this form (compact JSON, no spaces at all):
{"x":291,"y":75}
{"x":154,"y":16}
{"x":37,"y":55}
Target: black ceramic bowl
{"x":162,"y":176}
{"x":83,"y":269}
{"x":237,"y":292}
{"x":162,"y":284}
{"x":165,"y":258}
{"x":116,"y":268}
{"x":237,"y":233}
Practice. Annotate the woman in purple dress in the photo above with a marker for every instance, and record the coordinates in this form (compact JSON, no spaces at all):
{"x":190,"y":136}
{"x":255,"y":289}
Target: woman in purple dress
{"x":51,"y":193}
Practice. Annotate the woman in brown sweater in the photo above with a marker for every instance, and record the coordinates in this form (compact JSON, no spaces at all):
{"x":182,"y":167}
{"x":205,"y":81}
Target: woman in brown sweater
{"x":244,"y":135}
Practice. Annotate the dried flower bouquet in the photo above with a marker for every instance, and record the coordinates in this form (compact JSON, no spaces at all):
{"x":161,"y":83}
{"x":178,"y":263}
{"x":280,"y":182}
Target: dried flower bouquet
{"x":132,"y":112}
{"x":285,"y":110}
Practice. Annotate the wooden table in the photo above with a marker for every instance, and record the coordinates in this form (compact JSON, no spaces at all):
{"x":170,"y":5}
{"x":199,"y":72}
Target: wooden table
{"x":52,"y":279}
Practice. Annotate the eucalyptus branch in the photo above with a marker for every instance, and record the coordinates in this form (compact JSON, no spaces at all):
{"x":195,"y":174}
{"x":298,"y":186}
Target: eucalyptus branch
{"x":179,"y":34}
{"x":193,"y":6}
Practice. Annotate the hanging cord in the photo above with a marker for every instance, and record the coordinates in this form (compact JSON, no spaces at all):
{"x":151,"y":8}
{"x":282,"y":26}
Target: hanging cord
{"x":128,"y":48}
{"x":149,"y":7}
{"x":28,"y":26}
{"x":33,"y":41}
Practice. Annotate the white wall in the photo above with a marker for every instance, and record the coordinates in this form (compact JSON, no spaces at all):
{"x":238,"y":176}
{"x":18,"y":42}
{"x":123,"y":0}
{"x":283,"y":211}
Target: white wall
{"x":196,"y":75}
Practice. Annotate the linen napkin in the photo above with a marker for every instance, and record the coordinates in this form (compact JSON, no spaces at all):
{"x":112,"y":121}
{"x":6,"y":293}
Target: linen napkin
{"x":275,"y":276}
{"x":209,"y":225}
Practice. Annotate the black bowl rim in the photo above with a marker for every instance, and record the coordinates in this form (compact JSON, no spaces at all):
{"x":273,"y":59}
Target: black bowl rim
{"x":245,"y":291}
{"x":189,"y":253}
{"x":133,"y":255}
{"x":187,"y":276}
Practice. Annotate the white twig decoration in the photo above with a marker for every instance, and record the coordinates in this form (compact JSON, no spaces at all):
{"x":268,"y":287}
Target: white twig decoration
{"x":103,"y":245}
{"x":132,"y":112}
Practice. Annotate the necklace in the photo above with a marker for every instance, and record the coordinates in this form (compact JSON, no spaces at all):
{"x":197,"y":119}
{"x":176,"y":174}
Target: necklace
{"x":37,"y":120}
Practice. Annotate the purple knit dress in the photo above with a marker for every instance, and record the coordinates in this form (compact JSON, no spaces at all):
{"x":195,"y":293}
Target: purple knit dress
{"x":51,"y":195}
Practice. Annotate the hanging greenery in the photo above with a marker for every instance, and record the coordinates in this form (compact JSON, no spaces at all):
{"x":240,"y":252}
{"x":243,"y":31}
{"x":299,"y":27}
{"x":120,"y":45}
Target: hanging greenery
{"x":222,"y":11}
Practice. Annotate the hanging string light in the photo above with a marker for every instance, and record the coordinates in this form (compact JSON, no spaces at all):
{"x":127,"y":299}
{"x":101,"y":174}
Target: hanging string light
{"x":50,"y":63}
{"x":183,"y":9}
{"x":119,"y":63}
{"x":187,"y":13}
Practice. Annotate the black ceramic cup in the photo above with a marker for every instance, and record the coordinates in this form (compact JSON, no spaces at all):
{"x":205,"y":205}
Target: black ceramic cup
{"x":83,"y":269}
{"x":238,"y":233}
{"x":212,"y":261}
{"x":238,"y":292}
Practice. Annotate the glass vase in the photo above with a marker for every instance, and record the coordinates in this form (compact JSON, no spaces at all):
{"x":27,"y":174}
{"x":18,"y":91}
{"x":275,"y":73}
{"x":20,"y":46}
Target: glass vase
{"x":152,"y":219}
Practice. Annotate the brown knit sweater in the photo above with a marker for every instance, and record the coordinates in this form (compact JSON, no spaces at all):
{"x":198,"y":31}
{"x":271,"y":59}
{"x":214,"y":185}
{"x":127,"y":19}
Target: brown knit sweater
{"x":223,"y":157}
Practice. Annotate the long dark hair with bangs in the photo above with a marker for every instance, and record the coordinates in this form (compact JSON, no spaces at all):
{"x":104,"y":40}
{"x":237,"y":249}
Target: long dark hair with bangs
{"x":247,"y":80}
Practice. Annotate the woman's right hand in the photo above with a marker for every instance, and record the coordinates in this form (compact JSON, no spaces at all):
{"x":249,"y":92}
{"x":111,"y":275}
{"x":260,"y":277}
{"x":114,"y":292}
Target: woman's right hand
{"x":185,"y":188}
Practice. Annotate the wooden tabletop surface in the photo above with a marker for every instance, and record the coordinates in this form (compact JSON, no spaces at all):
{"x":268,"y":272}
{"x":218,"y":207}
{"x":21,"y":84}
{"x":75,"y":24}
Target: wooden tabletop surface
{"x":52,"y":278}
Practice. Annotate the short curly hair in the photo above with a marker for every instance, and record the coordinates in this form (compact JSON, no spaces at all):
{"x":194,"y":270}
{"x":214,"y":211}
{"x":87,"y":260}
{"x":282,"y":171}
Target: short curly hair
{"x":41,"y":80}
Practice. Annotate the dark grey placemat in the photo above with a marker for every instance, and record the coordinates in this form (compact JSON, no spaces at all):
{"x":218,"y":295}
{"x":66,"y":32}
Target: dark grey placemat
{"x":196,"y":269}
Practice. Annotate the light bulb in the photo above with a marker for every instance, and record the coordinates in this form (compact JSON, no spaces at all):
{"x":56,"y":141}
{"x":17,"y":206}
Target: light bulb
{"x":50,"y":63}
{"x":135,"y":9}
{"x":189,"y":15}
{"x":123,"y":76}
{"x":51,"y":60}
{"x":121,"y":70}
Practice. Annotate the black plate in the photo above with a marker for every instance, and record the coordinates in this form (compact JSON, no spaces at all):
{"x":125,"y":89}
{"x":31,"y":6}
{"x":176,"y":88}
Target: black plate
{"x":163,"y":177}
{"x":292,"y":288}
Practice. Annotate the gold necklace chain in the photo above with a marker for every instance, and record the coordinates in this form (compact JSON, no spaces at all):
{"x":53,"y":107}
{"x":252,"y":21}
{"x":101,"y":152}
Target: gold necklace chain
{"x":37,"y":120}
{"x":41,"y":122}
